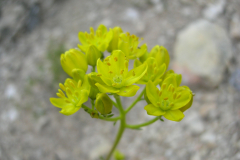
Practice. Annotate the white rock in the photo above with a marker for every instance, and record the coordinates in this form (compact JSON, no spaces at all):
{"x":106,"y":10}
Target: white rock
{"x":10,"y":115}
{"x":131,"y":14}
{"x":213,"y":10}
{"x":235,"y":27}
{"x":196,"y":157}
{"x":209,"y":138}
{"x":10,"y":91}
{"x":204,"y":50}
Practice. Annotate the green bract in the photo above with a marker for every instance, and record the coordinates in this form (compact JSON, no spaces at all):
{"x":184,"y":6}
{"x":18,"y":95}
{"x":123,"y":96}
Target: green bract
{"x":77,"y":93}
{"x":93,"y":79}
{"x":92,"y":55}
{"x":116,"y":77}
{"x":103,"y":103}
{"x":73,"y":59}
{"x":100,"y":38}
{"x":170,"y":100}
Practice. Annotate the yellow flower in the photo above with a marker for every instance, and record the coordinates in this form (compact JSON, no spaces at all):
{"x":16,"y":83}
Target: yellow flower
{"x":73,"y":59}
{"x":103,"y":103}
{"x":116,"y":77}
{"x":129,"y":45}
{"x":77,"y":93}
{"x":161,"y":55}
{"x":99,"y":39}
{"x":154,"y":72}
{"x":113,"y":45}
{"x":170,"y":101}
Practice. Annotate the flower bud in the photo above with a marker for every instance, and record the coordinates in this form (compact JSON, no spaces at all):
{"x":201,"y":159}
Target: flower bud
{"x":78,"y":74}
{"x":93,"y":79}
{"x":93,"y":54}
{"x":73,"y":59}
{"x":161,"y":55}
{"x":113,"y":45}
{"x":103,"y":103}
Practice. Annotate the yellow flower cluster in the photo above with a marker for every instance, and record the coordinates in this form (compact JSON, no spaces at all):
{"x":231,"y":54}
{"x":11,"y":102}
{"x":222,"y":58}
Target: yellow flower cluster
{"x":113,"y":75}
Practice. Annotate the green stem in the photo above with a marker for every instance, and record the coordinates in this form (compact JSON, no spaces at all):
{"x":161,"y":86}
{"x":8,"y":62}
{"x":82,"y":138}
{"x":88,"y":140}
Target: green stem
{"x":143,"y":124}
{"x":139,"y":98}
{"x":121,"y":128}
{"x":110,"y":119}
{"x":92,"y":102}
{"x":114,"y":103}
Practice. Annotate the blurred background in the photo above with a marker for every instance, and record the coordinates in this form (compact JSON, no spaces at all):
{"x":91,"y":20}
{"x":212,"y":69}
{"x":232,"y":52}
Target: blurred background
{"x":203,"y":40}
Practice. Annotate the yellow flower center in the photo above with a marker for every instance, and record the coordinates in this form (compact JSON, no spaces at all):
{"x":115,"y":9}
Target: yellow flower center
{"x":117,"y":79}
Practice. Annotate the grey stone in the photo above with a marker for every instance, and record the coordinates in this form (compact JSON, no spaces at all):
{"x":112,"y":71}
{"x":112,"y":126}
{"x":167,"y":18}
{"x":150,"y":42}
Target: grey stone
{"x":194,"y":123}
{"x":235,"y":26}
{"x":214,"y":9}
{"x":203,"y":49}
{"x":209,"y":138}
{"x":235,"y":79}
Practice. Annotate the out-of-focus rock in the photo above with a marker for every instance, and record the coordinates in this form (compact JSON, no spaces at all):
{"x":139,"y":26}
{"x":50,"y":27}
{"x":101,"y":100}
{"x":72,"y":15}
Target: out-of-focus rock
{"x":11,"y":91}
{"x":42,"y":124}
{"x":235,"y":79}
{"x":202,"y":51}
{"x":209,"y":138}
{"x":194,"y":123}
{"x":212,"y":11}
{"x":12,"y":20}
{"x":34,"y":17}
{"x":131,"y":14}
{"x":235,"y":27}
{"x":100,"y":150}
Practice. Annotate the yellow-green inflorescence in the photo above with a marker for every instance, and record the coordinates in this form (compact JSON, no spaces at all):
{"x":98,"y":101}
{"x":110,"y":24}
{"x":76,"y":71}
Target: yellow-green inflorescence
{"x":171,"y":100}
{"x":112,"y":76}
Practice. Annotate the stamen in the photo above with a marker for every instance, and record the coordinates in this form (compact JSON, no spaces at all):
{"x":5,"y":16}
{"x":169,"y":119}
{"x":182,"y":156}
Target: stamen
{"x":72,"y":84}
{"x":126,"y":64}
{"x":121,"y":72}
{"x":164,"y":85}
{"x":60,"y":95}
{"x":91,"y":30}
{"x":170,"y":87}
{"x":174,"y":95}
{"x":115,"y":59}
{"x":77,"y":94}
{"x":133,"y":73}
{"x":99,"y":75}
{"x":69,"y":91}
{"x":166,"y":98}
{"x":62,"y":86}
{"x":110,"y":72}
{"x":79,"y":84}
{"x":160,"y":93}
{"x":108,"y":64}
{"x":67,"y":101}
{"x":178,"y":96}
{"x":171,"y":104}
{"x":61,"y":92}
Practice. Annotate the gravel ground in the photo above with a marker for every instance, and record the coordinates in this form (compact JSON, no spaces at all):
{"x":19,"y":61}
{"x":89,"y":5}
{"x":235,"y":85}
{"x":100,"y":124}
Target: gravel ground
{"x":33,"y":34}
